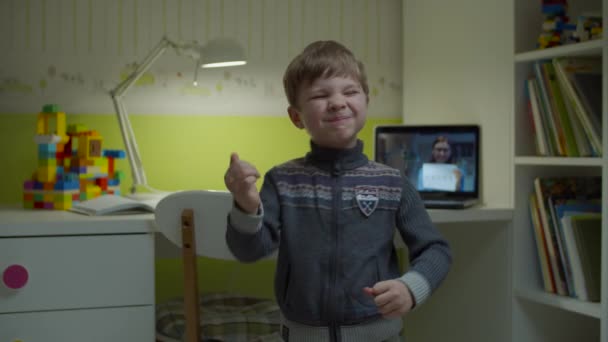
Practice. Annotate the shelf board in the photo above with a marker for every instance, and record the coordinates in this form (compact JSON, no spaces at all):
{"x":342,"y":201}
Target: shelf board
{"x":592,"y":47}
{"x":561,"y":302}
{"x":565,"y":161}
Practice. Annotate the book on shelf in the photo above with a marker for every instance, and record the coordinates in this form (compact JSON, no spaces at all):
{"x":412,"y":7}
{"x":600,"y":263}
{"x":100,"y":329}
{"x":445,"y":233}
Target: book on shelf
{"x":114,"y":205}
{"x":554,"y":196}
{"x":582,"y":232}
{"x":560,"y":113}
{"x":588,"y":232}
{"x":561,"y":208}
{"x":541,"y":246}
{"x":538,"y":127}
{"x":564,"y":103}
{"x":581,"y":80}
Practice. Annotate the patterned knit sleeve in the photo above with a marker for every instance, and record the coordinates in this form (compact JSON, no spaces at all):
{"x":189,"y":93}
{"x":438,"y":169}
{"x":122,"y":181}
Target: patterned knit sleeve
{"x":252,"y":237}
{"x":429,"y":253}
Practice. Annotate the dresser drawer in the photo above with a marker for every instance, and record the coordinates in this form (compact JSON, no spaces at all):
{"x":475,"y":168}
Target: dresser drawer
{"x":130,"y":324}
{"x":72,"y":272}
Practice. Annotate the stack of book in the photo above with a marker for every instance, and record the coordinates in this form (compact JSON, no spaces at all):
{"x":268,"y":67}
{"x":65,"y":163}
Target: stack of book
{"x":566,"y":217}
{"x":565,"y":106}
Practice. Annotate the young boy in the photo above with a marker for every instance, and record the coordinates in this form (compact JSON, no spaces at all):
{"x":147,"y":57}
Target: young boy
{"x":332,"y":215}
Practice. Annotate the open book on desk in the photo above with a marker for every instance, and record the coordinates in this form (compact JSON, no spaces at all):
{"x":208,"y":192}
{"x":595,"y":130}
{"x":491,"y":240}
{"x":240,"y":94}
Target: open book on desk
{"x":115,"y":205}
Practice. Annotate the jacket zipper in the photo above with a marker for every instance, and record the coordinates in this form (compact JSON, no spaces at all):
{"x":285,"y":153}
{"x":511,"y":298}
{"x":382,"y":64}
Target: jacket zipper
{"x":333,"y":267}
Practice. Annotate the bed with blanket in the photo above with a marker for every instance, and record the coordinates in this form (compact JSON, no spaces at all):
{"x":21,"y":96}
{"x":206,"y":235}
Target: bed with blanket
{"x":224,"y":317}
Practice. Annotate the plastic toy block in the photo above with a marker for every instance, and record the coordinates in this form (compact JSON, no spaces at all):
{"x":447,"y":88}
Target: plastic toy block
{"x":75,"y":129}
{"x":42,"y":128}
{"x":118,"y":154}
{"x":63,"y":206}
{"x":38,"y":205}
{"x":67,"y":185}
{"x":65,"y":197}
{"x":75,"y":197}
{"x":47,"y":162}
{"x":103,"y":162}
{"x":48,"y":186}
{"x":78,"y":162}
{"x":46,"y":174}
{"x":28,"y":196}
{"x":50,"y":108}
{"x":103,"y":183}
{"x":89,"y":146}
{"x":113,"y":182}
{"x":120,"y":175}
{"x":49,"y":205}
{"x":48,"y":197}
{"x":28,"y":185}
{"x":70,"y":177}
{"x":38,"y":185}
{"x":47,"y":148}
{"x":28,"y":205}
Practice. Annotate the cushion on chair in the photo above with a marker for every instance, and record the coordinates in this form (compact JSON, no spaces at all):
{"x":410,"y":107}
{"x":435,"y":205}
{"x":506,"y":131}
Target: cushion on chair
{"x":224,"y":317}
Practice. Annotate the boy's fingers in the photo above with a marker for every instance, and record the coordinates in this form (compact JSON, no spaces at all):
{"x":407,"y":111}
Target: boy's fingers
{"x":234,"y":158}
{"x":381,"y":287}
{"x":369,"y":291}
{"x":251,"y":179}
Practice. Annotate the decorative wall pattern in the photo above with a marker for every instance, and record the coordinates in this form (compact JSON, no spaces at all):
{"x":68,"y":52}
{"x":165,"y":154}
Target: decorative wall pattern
{"x":71,"y":52}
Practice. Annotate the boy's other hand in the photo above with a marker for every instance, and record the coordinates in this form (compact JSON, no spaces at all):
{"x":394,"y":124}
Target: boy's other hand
{"x":240,"y":180}
{"x":392,"y":298}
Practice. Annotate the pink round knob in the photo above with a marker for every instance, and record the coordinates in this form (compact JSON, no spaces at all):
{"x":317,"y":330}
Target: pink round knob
{"x":15,"y":276}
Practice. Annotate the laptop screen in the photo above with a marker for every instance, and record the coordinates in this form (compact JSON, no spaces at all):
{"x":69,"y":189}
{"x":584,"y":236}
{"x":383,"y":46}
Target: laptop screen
{"x":438,"y":160}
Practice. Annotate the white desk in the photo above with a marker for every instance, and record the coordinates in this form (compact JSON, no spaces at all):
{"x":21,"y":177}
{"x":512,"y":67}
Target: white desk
{"x":88,"y":278}
{"x":92,"y":278}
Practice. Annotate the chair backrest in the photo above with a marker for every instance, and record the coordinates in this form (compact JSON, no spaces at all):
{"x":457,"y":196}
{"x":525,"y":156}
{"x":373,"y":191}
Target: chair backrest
{"x":211,"y":210}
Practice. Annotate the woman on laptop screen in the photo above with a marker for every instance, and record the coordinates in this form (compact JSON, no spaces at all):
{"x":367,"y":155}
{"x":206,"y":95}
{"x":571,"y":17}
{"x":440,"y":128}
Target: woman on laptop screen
{"x":441,"y":172}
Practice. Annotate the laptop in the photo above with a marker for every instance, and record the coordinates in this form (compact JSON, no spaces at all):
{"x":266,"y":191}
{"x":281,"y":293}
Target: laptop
{"x":442,"y":162}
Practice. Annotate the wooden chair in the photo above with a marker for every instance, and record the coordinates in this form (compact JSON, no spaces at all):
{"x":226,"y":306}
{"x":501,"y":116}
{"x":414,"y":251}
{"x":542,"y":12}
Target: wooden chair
{"x":196,"y":222}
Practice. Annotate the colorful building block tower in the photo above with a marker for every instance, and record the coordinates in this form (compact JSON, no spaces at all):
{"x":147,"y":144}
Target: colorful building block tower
{"x":72,"y":166}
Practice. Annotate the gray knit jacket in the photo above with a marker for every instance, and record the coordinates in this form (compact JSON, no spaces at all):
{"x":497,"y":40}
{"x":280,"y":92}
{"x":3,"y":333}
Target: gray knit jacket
{"x":332,"y":215}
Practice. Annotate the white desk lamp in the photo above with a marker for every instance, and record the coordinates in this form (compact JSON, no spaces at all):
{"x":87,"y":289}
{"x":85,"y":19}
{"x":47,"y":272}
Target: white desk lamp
{"x":220,"y":52}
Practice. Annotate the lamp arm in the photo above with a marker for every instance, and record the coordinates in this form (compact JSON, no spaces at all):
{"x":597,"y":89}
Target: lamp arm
{"x":137,"y":174}
{"x":126,"y":131}
{"x":158,"y":50}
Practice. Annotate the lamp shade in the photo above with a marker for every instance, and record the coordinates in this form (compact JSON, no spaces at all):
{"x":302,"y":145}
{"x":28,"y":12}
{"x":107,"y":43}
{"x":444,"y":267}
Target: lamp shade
{"x":221,"y":52}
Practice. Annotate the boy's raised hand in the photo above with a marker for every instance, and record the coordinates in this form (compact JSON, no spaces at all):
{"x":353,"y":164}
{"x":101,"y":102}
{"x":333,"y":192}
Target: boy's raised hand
{"x":392,"y":297}
{"x":240,"y":180}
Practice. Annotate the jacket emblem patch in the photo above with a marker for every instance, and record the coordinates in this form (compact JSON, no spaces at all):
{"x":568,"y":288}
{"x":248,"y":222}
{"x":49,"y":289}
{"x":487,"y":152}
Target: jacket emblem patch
{"x":367,"y":200}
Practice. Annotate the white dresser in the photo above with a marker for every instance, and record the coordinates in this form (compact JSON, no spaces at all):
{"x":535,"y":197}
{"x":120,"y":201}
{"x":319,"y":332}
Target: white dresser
{"x":68,"y":277}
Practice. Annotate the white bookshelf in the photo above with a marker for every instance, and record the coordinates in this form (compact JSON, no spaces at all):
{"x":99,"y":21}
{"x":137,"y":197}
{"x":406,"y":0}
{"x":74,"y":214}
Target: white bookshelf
{"x":538,"y":315}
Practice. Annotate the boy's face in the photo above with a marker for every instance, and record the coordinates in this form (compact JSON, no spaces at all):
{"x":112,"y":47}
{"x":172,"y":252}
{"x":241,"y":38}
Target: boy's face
{"x":332,"y":110}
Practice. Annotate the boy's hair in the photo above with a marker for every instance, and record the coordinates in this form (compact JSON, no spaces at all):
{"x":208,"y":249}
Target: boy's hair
{"x":325,"y":59}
